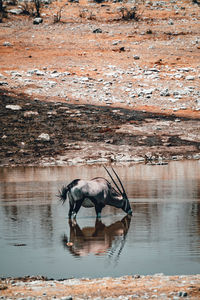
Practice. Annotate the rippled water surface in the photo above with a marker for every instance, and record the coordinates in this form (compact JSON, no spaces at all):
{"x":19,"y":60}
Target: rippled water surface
{"x":36,"y":237}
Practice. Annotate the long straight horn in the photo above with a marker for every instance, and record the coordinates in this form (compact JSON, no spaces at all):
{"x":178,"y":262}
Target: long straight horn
{"x":113,"y":180}
{"x":124,"y":192}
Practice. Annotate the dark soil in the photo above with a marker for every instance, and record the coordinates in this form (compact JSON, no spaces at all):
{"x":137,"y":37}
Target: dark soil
{"x":69,"y":125}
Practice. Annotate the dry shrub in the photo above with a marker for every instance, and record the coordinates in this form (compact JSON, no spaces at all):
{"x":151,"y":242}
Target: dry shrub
{"x":128,"y":13}
{"x":28,"y":8}
{"x":32,"y":8}
{"x":86,"y":14}
{"x":3,"y":12}
{"x":57,"y":16}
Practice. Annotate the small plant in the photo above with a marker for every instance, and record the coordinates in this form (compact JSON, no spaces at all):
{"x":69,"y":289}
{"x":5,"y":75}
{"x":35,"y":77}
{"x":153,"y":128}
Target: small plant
{"x":37,"y":7}
{"x":28,"y":8}
{"x":3,"y":12}
{"x":82,"y":13}
{"x":32,"y":8}
{"x":57,"y":16}
{"x":86,"y":14}
{"x":12,"y":2}
{"x":91,"y":16}
{"x":128,"y":13}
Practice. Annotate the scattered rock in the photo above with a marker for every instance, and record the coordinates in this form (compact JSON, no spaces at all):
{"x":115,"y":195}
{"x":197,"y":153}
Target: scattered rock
{"x":16,"y":11}
{"x":44,"y":137}
{"x":165,"y":93}
{"x":7,"y":44}
{"x":121,"y":49}
{"x":170,"y":22}
{"x":13,"y":107}
{"x":28,"y":114}
{"x":182,"y":294}
{"x":37,"y":21}
{"x":97,"y":30}
{"x":189,"y":77}
{"x":39,"y":73}
{"x":3,"y":83}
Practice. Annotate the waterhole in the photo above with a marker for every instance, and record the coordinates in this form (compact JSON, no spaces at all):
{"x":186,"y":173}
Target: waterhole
{"x":163,"y":235}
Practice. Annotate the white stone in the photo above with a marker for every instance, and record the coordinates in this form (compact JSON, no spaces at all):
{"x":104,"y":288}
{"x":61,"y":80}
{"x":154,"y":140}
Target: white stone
{"x":30,"y":113}
{"x":39,"y":73}
{"x":13,"y":107}
{"x":44,"y":137}
{"x":16,"y":11}
{"x":7,"y":44}
{"x":189,"y":77}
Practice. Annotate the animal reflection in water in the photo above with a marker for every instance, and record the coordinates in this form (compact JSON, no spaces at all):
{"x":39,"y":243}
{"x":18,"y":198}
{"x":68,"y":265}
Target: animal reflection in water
{"x":97,"y":193}
{"x":98,"y":240}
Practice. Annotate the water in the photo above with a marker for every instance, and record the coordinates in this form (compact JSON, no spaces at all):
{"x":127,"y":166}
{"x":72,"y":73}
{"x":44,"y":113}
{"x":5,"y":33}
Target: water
{"x":163,"y":235}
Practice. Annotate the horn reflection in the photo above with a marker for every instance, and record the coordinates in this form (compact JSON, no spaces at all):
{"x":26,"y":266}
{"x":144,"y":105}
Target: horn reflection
{"x":97,"y":240}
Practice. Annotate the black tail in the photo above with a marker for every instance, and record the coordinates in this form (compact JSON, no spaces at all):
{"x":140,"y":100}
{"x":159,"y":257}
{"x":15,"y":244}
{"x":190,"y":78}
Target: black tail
{"x":65,"y":189}
{"x":63,"y":194}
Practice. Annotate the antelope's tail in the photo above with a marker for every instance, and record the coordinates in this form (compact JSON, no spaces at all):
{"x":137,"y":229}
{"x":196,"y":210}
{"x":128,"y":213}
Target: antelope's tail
{"x":65,"y":189}
{"x":63,"y":194}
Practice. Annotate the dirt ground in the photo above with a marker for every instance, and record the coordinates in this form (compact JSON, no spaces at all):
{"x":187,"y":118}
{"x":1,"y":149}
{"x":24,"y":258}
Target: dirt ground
{"x":128,"y":287}
{"x":97,"y":88}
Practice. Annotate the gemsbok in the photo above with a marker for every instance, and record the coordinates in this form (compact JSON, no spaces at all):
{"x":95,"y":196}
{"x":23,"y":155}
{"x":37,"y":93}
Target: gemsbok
{"x":97,"y":192}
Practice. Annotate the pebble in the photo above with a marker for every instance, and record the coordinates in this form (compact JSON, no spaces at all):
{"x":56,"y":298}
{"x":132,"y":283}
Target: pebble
{"x":37,"y":21}
{"x":7,"y":44}
{"x":189,"y":77}
{"x":3,"y":83}
{"x":97,"y":30}
{"x":165,"y":93}
{"x":16,"y":11}
{"x":39,"y":73}
{"x":30,"y":113}
{"x":182,"y":294}
{"x":44,"y":137}
{"x":13,"y":107}
{"x":170,"y":22}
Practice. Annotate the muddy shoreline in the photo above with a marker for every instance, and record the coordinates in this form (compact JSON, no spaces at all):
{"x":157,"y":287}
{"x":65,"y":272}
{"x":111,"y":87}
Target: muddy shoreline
{"x":36,"y":132}
{"x":155,"y":286}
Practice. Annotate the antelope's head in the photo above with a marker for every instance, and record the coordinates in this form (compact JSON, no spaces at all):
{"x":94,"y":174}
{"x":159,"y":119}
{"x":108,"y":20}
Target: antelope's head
{"x":126,"y":206}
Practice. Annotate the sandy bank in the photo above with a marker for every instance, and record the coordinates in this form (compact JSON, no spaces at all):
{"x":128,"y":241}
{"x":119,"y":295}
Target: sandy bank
{"x":127,"y":287}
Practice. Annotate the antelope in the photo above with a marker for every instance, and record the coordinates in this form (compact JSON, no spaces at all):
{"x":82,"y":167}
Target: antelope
{"x":97,"y":192}
{"x":99,"y":239}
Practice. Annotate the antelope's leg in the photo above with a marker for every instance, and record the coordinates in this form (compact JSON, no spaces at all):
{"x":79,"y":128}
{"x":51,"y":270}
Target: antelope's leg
{"x":71,"y":207}
{"x":98,"y":209}
{"x":77,"y":207}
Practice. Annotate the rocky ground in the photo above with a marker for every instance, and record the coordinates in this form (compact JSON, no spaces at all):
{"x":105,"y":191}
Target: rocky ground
{"x":95,"y":87}
{"x":128,"y":287}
